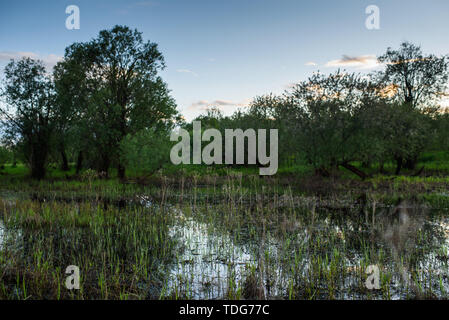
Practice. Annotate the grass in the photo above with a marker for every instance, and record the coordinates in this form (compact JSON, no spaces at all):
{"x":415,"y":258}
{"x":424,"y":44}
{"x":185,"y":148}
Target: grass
{"x":435,"y":164}
{"x":119,"y":254}
{"x":203,"y":232}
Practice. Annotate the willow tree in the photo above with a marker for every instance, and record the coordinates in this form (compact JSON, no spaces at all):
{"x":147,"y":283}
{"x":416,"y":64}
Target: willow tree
{"x":326,"y":109}
{"x":123,"y":92}
{"x":417,"y":79}
{"x":28,"y":113}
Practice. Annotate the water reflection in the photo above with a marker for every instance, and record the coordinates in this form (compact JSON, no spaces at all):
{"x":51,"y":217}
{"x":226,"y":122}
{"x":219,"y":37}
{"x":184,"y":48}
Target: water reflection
{"x":2,"y":233}
{"x":405,"y":239}
{"x":207,"y":261}
{"x":319,"y":253}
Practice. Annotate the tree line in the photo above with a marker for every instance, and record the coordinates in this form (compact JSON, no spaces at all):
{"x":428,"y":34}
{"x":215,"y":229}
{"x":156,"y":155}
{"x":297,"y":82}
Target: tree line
{"x":105,"y":105}
{"x":103,"y":93}
{"x":333,"y":120}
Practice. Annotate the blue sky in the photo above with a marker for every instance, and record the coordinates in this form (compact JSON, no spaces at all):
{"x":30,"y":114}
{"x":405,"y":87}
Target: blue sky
{"x":224,"y":53}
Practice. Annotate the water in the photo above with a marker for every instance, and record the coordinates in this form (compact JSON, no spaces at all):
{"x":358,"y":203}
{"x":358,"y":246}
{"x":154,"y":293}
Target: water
{"x":206,"y":261}
{"x":300,"y":253}
{"x":2,"y":233}
{"x":211,"y":259}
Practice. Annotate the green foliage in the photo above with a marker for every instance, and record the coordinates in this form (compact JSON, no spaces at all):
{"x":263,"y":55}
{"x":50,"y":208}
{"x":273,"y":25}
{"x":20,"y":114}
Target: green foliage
{"x":107,"y":107}
{"x":29,"y":111}
{"x":146,"y":151}
{"x":117,"y":72}
{"x":417,"y":78}
{"x":327,"y":123}
{"x":441,"y":125}
{"x":5,"y":156}
{"x":395,"y":132}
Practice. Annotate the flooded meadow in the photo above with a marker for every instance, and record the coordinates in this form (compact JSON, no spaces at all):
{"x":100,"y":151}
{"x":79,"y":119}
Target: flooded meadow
{"x":224,"y":242}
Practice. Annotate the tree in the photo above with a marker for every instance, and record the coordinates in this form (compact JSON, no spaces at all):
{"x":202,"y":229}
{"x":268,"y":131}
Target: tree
{"x":147,"y":150}
{"x":71,"y":100}
{"x":29,"y":114}
{"x":394,"y":132}
{"x":414,"y":78}
{"x":124,"y":93}
{"x":278,"y":112}
{"x":418,"y":79}
{"x":5,"y":156}
{"x":441,"y":141}
{"x":326,"y":117}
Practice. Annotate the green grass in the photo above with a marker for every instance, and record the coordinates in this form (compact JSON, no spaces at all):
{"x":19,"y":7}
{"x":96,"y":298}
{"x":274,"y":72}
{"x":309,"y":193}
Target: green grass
{"x":120,"y":255}
{"x":434,"y":163}
{"x":438,"y":161}
{"x":126,"y":251}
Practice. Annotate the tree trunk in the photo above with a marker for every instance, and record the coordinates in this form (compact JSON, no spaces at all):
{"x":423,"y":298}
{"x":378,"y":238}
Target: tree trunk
{"x":38,"y":161}
{"x":381,"y":168}
{"x":14,"y":160}
{"x":37,"y":171}
{"x":398,"y":165}
{"x":354,"y":170}
{"x":104,"y":166}
{"x":410,"y":163}
{"x":121,"y":171}
{"x":79,"y":162}
{"x":65,"y":162}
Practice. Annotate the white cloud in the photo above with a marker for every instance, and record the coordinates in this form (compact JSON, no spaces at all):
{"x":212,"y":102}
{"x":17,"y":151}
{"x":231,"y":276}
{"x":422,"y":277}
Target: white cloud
{"x":187,"y":71}
{"x":311,"y":64}
{"x":49,"y":60}
{"x":221,"y":104}
{"x":289,"y":86}
{"x":360,"y":62}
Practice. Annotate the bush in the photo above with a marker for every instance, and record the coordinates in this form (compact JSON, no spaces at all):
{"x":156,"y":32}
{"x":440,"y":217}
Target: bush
{"x":146,"y":151}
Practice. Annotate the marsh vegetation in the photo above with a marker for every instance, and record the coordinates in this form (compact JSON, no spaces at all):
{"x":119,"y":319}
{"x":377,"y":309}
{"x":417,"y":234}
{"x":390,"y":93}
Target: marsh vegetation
{"x":228,"y":238}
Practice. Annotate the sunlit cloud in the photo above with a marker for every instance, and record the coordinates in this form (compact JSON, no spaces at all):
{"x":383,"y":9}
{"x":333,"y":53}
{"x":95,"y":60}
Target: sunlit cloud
{"x":311,"y":64}
{"x":408,"y":61}
{"x":389,"y":91}
{"x":444,"y":100}
{"x":360,"y":62}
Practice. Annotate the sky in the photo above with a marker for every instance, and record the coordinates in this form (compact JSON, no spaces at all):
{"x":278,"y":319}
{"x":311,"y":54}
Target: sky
{"x":224,"y":53}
